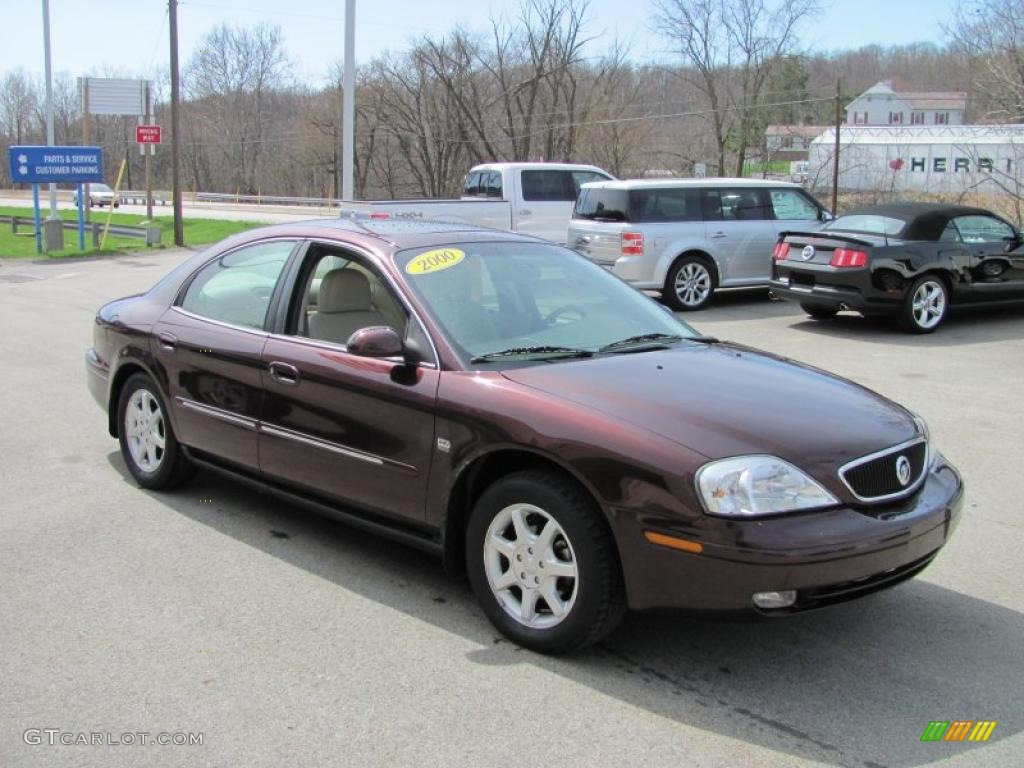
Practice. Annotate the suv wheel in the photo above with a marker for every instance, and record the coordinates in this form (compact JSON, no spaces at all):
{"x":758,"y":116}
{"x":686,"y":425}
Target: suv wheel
{"x":690,"y":283}
{"x":925,"y":305}
{"x":542,"y":563}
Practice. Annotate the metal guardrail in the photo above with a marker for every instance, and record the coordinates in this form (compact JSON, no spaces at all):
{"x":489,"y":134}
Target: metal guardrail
{"x":151,"y":235}
{"x":164,"y":197}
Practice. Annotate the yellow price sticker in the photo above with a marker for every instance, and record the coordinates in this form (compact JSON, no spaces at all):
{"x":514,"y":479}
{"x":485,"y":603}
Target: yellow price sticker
{"x":434,"y":261}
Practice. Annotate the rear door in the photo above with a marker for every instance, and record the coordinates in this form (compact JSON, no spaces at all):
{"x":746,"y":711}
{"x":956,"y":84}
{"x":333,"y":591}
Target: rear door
{"x":546,"y":199}
{"x":354,"y":429}
{"x":740,"y":232}
{"x":209,"y":345}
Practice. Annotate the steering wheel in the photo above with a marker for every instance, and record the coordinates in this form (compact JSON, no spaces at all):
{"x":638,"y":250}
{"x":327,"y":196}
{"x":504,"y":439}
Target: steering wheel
{"x":552,"y":317}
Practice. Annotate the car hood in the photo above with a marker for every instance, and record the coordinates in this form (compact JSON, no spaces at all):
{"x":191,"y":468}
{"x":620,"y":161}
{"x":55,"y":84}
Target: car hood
{"x":725,"y":400}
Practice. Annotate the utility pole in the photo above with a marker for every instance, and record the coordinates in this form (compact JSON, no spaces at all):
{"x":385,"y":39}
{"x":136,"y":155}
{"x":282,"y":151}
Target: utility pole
{"x":179,"y":235}
{"x":54,"y":232}
{"x":147,"y":152}
{"x":348,"y":102}
{"x":835,"y":153}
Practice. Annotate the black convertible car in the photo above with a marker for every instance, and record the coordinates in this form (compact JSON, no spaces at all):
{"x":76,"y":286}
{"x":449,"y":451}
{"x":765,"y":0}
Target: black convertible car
{"x":909,"y":260}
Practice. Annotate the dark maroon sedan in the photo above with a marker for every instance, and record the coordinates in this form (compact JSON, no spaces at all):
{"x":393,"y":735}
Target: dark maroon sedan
{"x":525,"y":414}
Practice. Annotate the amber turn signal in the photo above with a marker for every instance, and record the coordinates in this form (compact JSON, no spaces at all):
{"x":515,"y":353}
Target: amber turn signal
{"x":674,"y":543}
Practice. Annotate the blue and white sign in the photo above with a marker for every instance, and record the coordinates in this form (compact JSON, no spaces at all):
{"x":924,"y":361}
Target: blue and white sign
{"x":42,"y":165}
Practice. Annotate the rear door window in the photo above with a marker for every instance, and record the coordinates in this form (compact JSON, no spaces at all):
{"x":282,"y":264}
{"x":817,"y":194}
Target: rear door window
{"x":792,"y":205}
{"x":736,"y":204}
{"x":549,"y":186}
{"x":664,"y":205}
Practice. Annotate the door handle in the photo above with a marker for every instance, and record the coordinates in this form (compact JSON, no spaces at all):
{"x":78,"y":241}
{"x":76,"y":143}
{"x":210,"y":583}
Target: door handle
{"x":167,"y":341}
{"x":719,"y":234}
{"x":284,"y":373}
{"x":525,"y":212}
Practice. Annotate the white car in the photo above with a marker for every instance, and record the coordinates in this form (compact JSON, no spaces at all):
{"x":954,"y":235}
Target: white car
{"x":689,"y":237}
{"x":100,"y":195}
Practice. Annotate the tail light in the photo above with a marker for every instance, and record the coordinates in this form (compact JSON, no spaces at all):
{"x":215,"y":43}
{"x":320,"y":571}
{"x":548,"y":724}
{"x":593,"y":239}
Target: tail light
{"x":781,"y":251}
{"x":632,"y":243}
{"x":379,"y":216}
{"x":847,"y":257}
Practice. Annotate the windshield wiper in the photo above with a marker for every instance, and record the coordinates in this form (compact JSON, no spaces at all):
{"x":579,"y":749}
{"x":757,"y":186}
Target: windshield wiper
{"x":644,"y":339}
{"x":548,"y":351}
{"x":652,"y":341}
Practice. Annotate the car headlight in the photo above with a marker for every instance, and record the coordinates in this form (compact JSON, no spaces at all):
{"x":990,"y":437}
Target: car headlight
{"x":758,"y":485}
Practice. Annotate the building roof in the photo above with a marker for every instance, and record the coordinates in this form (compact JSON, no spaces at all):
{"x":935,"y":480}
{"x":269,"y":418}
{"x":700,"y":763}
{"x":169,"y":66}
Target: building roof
{"x":920,"y":99}
{"x":926,"y":134}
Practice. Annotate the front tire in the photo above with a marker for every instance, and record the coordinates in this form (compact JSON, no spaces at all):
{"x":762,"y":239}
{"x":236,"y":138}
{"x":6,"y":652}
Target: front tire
{"x":819,"y":311}
{"x":148,"y":445}
{"x":689,"y":284}
{"x":543,"y":564}
{"x":925,"y":305}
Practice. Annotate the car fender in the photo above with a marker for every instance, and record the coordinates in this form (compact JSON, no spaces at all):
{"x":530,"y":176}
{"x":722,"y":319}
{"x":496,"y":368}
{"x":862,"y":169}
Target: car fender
{"x":677,"y":248}
{"x":134,"y":357}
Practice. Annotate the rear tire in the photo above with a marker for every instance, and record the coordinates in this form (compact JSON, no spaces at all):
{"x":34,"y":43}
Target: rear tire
{"x":690,"y":284}
{"x":148,"y":445}
{"x":543,"y":564}
{"x":925,"y":305}
{"x":819,"y":311}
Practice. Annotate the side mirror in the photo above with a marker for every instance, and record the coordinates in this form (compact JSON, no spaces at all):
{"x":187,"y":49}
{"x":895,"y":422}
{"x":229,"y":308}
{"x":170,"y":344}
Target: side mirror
{"x":825,"y":216}
{"x":1013,"y":242}
{"x":375,"y":341}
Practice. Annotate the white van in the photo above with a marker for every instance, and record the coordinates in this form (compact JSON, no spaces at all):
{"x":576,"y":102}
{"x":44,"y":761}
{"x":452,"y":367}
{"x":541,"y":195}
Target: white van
{"x":688,"y":237}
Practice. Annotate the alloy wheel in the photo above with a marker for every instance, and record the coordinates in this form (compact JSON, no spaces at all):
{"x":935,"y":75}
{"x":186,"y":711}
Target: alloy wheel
{"x":929,"y":304}
{"x":531,"y":566}
{"x":693,"y":284}
{"x":145,"y":430}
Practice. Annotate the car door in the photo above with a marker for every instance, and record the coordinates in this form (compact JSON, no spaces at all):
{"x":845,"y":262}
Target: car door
{"x":547,"y":197}
{"x":997,"y":273}
{"x":353,"y":429}
{"x":740,"y":233}
{"x":208,"y":345}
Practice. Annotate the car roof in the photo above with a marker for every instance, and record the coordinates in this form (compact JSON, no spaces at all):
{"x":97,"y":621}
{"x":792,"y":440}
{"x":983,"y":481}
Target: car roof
{"x":924,"y":221}
{"x":536,"y":166}
{"x":713,"y":183}
{"x":397,"y":234}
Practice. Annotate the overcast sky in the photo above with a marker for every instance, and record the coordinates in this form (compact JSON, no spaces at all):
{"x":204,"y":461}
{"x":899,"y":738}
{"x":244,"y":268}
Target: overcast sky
{"x":130,"y":36}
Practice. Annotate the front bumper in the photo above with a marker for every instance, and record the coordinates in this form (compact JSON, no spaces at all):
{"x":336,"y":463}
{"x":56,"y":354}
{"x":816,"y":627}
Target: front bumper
{"x":828,"y":556}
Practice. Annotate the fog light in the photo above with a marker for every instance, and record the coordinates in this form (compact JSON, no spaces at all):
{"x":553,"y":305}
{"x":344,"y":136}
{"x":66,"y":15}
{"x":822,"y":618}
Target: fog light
{"x":782,"y":599}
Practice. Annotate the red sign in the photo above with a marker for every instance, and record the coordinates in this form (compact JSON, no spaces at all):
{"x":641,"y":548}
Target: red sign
{"x":148,"y":134}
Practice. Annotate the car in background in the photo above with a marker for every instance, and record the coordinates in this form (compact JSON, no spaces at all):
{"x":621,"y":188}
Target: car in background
{"x":501,"y":402}
{"x":99,"y":195}
{"x":688,"y":237}
{"x":912,"y":261}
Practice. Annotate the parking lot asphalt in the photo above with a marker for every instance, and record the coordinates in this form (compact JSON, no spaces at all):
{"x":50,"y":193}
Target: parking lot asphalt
{"x":287,"y":639}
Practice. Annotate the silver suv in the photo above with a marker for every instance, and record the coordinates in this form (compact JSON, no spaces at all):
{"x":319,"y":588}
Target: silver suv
{"x":688,"y":237}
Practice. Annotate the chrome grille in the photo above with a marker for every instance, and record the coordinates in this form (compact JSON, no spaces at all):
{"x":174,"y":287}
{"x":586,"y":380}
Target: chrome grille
{"x":876,"y":477}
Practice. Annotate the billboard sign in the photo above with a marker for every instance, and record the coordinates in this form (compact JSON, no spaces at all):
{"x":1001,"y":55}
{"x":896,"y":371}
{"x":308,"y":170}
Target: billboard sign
{"x":42,"y":165}
{"x":110,"y":96}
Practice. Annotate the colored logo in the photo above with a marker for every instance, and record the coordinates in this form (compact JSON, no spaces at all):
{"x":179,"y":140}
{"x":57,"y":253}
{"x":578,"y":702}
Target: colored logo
{"x":903,"y":470}
{"x":434,"y":261}
{"x":896,"y":164}
{"x":958,"y":730}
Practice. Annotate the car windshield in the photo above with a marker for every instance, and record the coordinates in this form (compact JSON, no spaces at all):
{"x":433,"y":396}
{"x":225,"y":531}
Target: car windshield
{"x":100,"y":188}
{"x":872,"y":224}
{"x":525,"y":300}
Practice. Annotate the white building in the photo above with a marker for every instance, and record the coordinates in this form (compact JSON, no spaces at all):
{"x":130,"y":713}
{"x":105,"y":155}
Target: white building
{"x":940,"y":159}
{"x":881,"y":105}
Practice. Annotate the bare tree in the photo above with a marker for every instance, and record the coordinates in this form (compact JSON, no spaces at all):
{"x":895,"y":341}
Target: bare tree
{"x":732,"y":48}
{"x":990,"y":35}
